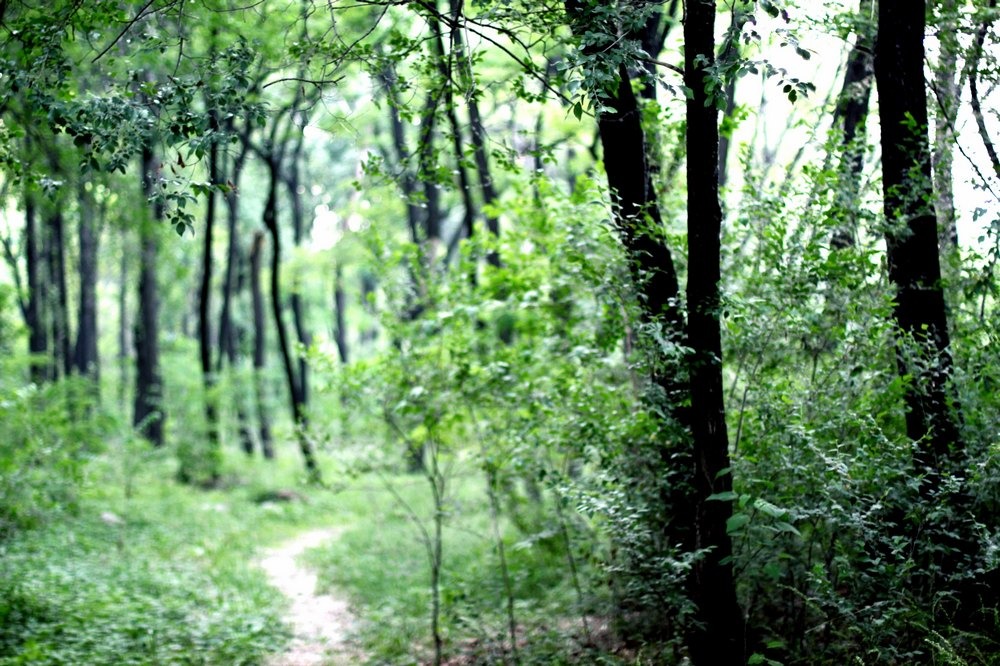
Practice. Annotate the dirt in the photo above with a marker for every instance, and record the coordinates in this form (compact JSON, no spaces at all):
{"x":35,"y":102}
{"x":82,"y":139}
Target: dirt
{"x":322,"y":623}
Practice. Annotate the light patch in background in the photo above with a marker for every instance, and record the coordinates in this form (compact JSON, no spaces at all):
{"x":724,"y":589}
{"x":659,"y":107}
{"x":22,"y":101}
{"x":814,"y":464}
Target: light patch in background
{"x":326,"y":229}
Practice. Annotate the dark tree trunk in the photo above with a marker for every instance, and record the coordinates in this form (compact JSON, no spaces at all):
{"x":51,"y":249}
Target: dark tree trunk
{"x":124,"y":350}
{"x":637,"y":217}
{"x":851,"y":112}
{"x":292,"y":182}
{"x":407,"y":181}
{"x":368,"y":287}
{"x":446,"y":73}
{"x":38,"y":337}
{"x":718,"y":638}
{"x":640,"y":227}
{"x":149,"y":415}
{"x":211,"y":457}
{"x":295,"y":391}
{"x":911,"y":239}
{"x":232,"y":284}
{"x":478,"y":131}
{"x":259,"y":346}
{"x":339,"y":309}
{"x":59,"y":321}
{"x":426,"y":161}
{"x":85,"y":357}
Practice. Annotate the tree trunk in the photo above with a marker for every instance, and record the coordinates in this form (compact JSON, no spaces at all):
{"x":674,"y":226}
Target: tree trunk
{"x":911,"y":239}
{"x":38,"y":337}
{"x":85,"y":357}
{"x":149,"y":415}
{"x":339,"y":308}
{"x":209,"y":458}
{"x":292,"y":180}
{"x":124,"y":350}
{"x":718,"y":639}
{"x":407,"y":181}
{"x":640,"y":228}
{"x":59,"y":321}
{"x":426,"y":160}
{"x":259,"y":347}
{"x":851,"y":112}
{"x":295,"y":392}
{"x":233,"y":282}
{"x":368,"y":292}
{"x":478,"y":131}
{"x":946,"y":91}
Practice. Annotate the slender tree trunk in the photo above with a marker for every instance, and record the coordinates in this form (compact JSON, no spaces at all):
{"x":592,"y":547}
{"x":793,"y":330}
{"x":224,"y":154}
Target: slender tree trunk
{"x":209,"y":458}
{"x":480,"y":154}
{"x":233,"y":281}
{"x":339,"y":309}
{"x":426,"y":168}
{"x":946,"y":93}
{"x":368,"y":286}
{"x":259,"y":347}
{"x":851,"y":112}
{"x":640,"y":228}
{"x":38,"y":338}
{"x":446,"y":74}
{"x":124,"y":350}
{"x":85,"y":357}
{"x":407,"y":181}
{"x":292,"y":182}
{"x":56,"y":253}
{"x":296,"y":396}
{"x":148,"y":414}
{"x":718,"y":639}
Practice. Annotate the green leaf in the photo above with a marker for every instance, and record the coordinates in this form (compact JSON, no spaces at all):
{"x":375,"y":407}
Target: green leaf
{"x":736,"y":522}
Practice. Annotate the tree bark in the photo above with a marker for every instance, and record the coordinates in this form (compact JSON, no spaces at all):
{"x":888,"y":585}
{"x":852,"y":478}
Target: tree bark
{"x":407,"y":181}
{"x":718,"y":638}
{"x":38,"y":338}
{"x":912,"y":239}
{"x":259,"y":347}
{"x":59,"y":309}
{"x":148,"y":414}
{"x":851,"y":112}
{"x":85,"y":357}
{"x":208,"y":378}
{"x":292,"y":182}
{"x":295,"y":392}
{"x":478,"y":132}
{"x":946,"y":92}
{"x":339,"y":309}
{"x":233,"y":282}
{"x":124,"y":350}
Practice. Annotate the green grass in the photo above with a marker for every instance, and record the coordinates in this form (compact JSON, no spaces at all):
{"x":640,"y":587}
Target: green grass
{"x":173,"y":582}
{"x":147,"y":571}
{"x":382,"y":563}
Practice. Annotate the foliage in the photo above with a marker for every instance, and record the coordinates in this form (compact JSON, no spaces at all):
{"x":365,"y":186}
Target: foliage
{"x":43,"y":450}
{"x":160,"y":577}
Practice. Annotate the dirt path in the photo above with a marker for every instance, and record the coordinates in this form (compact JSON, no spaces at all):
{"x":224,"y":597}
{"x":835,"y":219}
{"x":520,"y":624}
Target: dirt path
{"x":321,"y":622}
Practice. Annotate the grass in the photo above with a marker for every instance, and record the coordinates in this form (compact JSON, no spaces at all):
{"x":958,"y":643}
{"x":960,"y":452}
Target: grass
{"x":147,"y":571}
{"x":382,"y":563}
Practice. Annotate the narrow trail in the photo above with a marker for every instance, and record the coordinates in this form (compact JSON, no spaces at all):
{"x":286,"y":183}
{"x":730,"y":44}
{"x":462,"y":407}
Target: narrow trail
{"x":321,"y":622}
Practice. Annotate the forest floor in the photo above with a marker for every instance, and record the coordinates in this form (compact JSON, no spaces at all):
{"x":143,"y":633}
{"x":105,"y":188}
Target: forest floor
{"x":321,"y":622}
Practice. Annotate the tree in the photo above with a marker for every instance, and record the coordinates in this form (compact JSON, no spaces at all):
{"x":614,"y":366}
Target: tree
{"x":148,"y":414}
{"x":85,"y":354}
{"x":720,"y":637}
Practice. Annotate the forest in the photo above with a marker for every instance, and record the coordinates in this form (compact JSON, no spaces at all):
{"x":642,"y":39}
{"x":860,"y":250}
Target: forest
{"x":459,"y":333}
